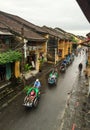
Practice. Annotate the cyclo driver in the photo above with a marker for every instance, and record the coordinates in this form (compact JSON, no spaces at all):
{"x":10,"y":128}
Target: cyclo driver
{"x":37,"y":84}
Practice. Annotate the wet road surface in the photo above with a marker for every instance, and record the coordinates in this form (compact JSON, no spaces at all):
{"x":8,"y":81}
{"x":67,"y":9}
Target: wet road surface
{"x":51,"y":106}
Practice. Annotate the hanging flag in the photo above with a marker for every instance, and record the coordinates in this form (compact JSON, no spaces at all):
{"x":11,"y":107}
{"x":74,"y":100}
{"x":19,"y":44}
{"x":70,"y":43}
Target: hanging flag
{"x":8,"y":71}
{"x":17,"y":69}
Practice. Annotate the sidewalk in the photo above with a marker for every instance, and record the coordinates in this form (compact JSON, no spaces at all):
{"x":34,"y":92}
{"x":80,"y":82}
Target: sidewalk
{"x":77,"y":111}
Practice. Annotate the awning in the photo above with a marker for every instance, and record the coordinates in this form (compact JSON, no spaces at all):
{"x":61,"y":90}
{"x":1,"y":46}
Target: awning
{"x":5,"y":33}
{"x":85,"y":43}
{"x":85,"y":7}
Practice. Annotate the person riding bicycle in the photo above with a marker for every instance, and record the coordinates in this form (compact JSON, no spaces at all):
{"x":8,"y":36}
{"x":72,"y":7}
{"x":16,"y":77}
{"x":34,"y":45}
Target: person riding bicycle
{"x":37,"y":84}
{"x":80,"y":66}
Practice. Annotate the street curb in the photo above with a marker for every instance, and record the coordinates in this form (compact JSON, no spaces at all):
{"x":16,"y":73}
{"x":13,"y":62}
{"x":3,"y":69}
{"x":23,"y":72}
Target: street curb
{"x":62,"y":118}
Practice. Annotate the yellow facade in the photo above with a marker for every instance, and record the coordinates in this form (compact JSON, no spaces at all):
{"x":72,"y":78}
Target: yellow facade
{"x":65,"y":47}
{"x":60,"y":50}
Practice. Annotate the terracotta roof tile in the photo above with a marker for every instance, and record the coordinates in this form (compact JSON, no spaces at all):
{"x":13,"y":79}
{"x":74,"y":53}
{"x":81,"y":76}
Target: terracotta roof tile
{"x":53,"y":32}
{"x":24,"y":22}
{"x":15,"y":26}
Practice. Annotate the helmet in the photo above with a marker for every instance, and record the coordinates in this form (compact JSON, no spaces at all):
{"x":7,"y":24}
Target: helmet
{"x":37,"y":80}
{"x":32,"y":93}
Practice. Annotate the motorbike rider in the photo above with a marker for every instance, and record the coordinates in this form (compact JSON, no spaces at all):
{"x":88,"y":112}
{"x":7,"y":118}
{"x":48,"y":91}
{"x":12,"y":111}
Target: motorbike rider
{"x":63,"y":65}
{"x":53,"y":75}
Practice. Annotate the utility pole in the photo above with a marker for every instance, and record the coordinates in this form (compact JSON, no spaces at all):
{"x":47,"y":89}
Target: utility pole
{"x":24,"y":49}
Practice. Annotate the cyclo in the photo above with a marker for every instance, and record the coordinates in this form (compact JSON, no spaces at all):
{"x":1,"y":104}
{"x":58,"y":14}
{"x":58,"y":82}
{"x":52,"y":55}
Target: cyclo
{"x":32,"y":97}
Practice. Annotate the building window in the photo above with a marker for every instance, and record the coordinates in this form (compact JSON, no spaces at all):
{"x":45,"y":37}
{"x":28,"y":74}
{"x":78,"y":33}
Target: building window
{"x":60,"y":52}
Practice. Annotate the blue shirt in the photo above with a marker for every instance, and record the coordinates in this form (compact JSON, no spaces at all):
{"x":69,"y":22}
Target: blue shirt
{"x":37,"y":84}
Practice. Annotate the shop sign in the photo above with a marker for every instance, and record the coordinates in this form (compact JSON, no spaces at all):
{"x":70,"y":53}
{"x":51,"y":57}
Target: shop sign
{"x":35,"y":47}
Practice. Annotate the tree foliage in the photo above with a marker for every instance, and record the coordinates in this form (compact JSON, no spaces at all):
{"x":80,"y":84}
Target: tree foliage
{"x":73,"y":39}
{"x":10,"y":56}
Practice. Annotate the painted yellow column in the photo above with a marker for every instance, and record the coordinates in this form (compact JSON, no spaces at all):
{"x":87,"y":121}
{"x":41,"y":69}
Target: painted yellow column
{"x":17,"y":69}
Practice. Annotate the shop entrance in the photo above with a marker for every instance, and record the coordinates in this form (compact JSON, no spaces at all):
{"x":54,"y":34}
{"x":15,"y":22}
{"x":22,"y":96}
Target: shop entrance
{"x":31,"y":59}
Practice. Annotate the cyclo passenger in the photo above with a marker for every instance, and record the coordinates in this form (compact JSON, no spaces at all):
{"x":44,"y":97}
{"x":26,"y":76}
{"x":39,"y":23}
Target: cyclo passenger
{"x":31,"y":94}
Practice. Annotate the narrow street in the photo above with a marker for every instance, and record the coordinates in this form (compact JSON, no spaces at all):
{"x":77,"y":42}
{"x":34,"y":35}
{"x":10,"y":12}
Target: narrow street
{"x":50,"y":109}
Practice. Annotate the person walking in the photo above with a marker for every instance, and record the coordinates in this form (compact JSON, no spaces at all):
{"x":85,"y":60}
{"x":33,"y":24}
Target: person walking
{"x":80,"y":67}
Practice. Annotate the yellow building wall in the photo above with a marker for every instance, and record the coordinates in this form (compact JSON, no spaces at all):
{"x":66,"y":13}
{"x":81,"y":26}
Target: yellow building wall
{"x":66,"y":47}
{"x":69,"y":47}
{"x":61,"y":47}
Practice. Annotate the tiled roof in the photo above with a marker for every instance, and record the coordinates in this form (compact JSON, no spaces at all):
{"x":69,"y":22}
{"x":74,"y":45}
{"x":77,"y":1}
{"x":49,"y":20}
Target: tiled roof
{"x":53,"y":32}
{"x":16,"y":26}
{"x":24,"y":22}
{"x":66,"y":34}
{"x":60,"y":35}
{"x":60,"y":30}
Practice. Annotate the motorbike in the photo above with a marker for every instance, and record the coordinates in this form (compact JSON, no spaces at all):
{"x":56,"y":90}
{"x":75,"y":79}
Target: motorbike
{"x":32,"y":97}
{"x":65,"y":62}
{"x":63,"y":67}
{"x":68,"y":59}
{"x":52,"y":80}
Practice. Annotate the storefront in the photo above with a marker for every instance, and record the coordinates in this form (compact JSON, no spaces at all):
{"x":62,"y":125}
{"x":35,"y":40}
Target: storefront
{"x":9,"y":65}
{"x":36,"y":53}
